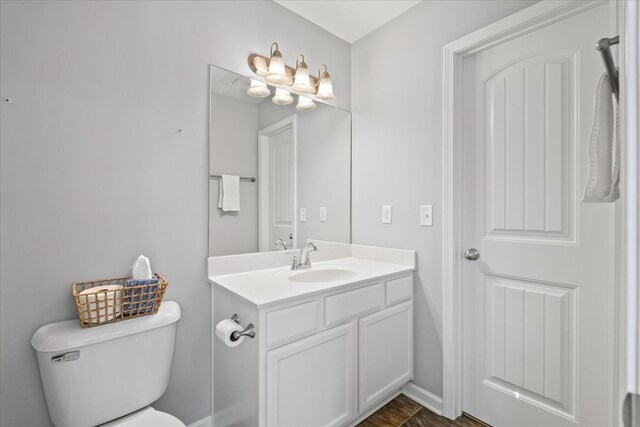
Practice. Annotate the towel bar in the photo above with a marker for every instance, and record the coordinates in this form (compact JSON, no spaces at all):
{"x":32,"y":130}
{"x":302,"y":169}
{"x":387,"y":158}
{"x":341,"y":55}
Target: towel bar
{"x":242,"y":178}
{"x":603,"y":46}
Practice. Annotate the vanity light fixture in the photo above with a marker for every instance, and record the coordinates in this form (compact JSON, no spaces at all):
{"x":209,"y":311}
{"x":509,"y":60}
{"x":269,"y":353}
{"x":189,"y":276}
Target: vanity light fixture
{"x":305,"y":104}
{"x":277,"y":74}
{"x":301,"y":83}
{"x":296,"y":80}
{"x":258,"y":89}
{"x":325,"y":87}
{"x":282,"y":97}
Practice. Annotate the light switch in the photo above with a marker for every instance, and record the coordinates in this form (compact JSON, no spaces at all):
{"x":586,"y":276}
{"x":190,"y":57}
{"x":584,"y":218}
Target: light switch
{"x":323,"y":214}
{"x":303,"y":214}
{"x":426,"y":215}
{"x":386,"y":214}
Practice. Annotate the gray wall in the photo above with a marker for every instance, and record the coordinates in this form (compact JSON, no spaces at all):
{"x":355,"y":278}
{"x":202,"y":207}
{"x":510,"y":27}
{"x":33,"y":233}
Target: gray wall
{"x":397,"y":147}
{"x":234,"y":151}
{"x":94,"y":172}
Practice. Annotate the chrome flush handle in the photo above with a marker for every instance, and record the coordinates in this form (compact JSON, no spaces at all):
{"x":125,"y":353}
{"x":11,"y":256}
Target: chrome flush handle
{"x":66,"y":357}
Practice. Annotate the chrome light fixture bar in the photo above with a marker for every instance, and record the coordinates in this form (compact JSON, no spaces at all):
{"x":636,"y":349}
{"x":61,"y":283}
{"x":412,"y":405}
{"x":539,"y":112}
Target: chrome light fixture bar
{"x":294,"y":80}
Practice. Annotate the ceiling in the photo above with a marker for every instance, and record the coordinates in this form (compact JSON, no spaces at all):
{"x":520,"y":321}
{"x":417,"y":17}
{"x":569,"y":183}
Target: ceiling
{"x":349,"y":19}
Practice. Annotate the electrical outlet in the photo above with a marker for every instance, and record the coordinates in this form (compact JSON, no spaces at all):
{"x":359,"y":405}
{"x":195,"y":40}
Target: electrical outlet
{"x":426,"y":215}
{"x":386,"y":214}
{"x":323,"y":214}
{"x":303,"y":214}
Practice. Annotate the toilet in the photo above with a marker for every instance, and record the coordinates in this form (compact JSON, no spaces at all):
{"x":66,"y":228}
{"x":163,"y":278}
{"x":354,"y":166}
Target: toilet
{"x":108,"y":375}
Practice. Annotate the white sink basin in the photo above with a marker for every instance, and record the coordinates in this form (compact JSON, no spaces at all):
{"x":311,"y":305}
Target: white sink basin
{"x":323,"y":275}
{"x":320,"y":273}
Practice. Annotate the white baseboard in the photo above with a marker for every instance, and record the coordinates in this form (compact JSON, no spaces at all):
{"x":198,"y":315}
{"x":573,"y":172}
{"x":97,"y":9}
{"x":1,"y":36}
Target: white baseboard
{"x":423,"y":397}
{"x":205,"y":422}
{"x":420,"y":395}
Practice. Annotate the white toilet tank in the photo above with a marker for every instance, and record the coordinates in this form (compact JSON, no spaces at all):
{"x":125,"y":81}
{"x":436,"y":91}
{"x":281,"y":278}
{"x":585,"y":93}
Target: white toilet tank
{"x":94,"y":375}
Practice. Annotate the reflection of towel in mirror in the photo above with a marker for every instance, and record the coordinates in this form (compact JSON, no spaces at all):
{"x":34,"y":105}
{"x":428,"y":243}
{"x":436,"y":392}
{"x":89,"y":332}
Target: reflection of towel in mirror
{"x":604,"y":152}
{"x":229,"y":199}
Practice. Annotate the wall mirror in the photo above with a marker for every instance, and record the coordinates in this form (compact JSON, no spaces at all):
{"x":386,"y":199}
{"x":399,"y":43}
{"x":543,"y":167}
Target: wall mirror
{"x":294,"y":170}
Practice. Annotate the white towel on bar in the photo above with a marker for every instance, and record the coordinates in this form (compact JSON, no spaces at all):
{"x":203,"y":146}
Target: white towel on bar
{"x":229,"y":198}
{"x":604,"y":151}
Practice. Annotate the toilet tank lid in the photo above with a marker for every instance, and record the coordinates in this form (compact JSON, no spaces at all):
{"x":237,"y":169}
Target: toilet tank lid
{"x":66,"y":335}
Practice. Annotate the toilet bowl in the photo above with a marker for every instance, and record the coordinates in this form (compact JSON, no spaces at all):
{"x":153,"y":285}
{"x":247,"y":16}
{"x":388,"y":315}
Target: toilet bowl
{"x":145,"y":418}
{"x":109,"y":373}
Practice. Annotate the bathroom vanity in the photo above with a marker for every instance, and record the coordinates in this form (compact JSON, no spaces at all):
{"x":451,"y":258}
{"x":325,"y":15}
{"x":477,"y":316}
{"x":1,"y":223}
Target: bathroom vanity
{"x":332,"y":342}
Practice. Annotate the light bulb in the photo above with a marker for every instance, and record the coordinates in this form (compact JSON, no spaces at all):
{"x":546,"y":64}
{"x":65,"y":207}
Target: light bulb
{"x":258,"y":89}
{"x":282,"y":97}
{"x":276,"y":74}
{"x":305,"y":104}
{"x":325,"y":87}
{"x":301,"y":82}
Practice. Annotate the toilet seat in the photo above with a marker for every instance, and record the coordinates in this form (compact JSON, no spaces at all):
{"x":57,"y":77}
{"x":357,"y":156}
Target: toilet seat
{"x":146,"y":417}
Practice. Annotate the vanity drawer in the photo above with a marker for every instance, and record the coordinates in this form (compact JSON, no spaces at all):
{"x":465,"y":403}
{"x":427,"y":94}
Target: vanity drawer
{"x":399,"y":289}
{"x":348,"y":304}
{"x":292,"y":322}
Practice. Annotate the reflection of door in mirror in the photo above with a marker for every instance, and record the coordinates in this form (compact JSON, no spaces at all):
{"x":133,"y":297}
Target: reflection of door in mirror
{"x":277,"y":178}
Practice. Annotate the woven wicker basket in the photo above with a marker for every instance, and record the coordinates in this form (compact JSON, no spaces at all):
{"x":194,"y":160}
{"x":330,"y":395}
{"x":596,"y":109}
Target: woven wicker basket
{"x":118,"y":302}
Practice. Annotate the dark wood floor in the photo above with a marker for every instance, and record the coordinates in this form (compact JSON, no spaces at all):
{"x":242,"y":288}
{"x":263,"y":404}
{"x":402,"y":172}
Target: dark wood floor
{"x":404,"y":412}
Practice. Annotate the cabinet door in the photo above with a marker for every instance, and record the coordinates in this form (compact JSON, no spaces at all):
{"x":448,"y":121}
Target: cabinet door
{"x":386,"y":352}
{"x":310,"y":382}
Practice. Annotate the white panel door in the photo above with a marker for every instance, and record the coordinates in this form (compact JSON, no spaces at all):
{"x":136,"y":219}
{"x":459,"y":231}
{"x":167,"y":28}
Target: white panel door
{"x":538,"y":302}
{"x":385,"y":353}
{"x":310,"y":382}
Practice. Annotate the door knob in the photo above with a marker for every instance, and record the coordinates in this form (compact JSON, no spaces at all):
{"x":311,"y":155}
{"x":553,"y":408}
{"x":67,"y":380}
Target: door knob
{"x":472,"y":254}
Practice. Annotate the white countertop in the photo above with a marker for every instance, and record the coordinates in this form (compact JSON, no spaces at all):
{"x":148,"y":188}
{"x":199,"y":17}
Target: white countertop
{"x":272,"y":285}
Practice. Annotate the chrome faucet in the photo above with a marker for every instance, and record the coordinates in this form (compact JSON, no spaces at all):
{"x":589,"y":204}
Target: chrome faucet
{"x":305,"y":261}
{"x":282,"y":243}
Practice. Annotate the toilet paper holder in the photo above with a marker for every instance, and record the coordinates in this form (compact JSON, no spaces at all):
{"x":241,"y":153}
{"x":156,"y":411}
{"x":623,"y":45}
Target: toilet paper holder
{"x":249,"y":331}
